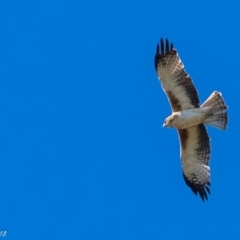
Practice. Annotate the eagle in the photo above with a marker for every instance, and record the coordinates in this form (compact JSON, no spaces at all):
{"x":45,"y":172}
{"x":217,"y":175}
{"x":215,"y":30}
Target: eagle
{"x":189,"y":117}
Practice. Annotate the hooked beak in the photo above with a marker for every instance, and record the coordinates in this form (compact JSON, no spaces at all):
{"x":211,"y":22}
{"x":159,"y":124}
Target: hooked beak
{"x":164,"y":125}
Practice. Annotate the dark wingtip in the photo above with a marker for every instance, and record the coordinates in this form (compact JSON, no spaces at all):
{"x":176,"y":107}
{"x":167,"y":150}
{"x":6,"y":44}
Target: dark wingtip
{"x":208,"y":189}
{"x":163,"y":49}
{"x":198,"y":189}
{"x":167,"y":45}
{"x":157,"y":56}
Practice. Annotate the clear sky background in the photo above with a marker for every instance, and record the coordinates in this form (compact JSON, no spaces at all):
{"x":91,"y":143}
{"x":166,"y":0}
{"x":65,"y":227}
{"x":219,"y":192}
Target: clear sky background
{"x":83,"y":154}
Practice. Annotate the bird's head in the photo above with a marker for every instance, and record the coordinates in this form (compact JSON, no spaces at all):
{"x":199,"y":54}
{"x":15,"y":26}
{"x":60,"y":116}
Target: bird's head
{"x":169,"y":121}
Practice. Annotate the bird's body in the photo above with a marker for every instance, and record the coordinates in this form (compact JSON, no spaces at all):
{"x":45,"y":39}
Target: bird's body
{"x":188,"y":117}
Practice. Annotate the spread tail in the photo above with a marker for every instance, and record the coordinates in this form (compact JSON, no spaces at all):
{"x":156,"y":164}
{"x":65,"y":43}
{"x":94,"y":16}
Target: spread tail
{"x":216,"y":111}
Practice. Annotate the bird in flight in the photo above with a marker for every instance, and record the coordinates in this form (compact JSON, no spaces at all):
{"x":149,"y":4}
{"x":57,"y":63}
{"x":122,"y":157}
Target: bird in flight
{"x":189,"y":117}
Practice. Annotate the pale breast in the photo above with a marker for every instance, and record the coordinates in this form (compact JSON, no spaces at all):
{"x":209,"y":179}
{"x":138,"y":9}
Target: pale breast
{"x":188,"y":118}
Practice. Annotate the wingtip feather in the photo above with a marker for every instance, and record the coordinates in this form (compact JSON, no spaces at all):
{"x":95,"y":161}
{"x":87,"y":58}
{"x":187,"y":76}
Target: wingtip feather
{"x":197,"y":189}
{"x":167,"y":45}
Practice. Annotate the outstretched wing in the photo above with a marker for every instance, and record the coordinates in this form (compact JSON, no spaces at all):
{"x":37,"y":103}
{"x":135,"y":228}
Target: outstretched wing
{"x":195,"y":154}
{"x":175,"y":81}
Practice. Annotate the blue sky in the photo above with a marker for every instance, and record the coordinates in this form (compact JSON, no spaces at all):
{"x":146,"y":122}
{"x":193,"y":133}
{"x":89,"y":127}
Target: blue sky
{"x":83,"y":153}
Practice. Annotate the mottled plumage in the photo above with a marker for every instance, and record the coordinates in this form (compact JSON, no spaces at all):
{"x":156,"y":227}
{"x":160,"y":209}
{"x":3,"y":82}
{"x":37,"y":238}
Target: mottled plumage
{"x":188,"y":117}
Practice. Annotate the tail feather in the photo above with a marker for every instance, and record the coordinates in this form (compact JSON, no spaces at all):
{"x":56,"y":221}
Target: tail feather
{"x":216,"y":111}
